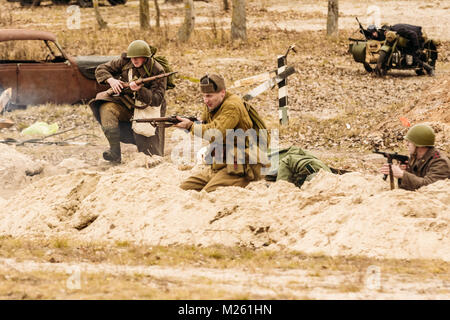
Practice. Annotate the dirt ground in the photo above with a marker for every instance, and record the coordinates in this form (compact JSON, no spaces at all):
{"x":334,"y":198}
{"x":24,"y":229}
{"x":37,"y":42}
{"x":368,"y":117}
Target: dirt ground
{"x":341,"y":238}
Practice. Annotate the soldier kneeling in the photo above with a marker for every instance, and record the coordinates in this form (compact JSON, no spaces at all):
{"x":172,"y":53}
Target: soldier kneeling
{"x":114,"y":112}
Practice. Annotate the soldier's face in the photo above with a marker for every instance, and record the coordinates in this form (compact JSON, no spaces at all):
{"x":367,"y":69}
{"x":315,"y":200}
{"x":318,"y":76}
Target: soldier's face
{"x":138,"y":61}
{"x":411,"y":147}
{"x":212,"y":100}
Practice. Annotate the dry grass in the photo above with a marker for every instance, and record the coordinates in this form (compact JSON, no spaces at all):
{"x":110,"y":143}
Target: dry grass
{"x":319,"y":64}
{"x":50,"y":284}
{"x":125,"y":252}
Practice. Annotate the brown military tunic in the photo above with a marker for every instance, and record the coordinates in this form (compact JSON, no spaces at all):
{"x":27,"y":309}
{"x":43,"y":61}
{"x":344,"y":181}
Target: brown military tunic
{"x":152,"y":94}
{"x":231,"y":114}
{"x":420,"y":172}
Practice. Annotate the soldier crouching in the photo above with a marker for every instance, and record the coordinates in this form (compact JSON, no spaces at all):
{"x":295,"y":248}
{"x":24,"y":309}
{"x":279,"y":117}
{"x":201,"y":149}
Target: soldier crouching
{"x":114,"y":112}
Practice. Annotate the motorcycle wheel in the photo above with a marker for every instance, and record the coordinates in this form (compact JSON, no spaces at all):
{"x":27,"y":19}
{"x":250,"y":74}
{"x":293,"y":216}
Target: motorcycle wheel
{"x":420,"y":72}
{"x":381,"y":67}
{"x":85,"y":3}
{"x":117,"y":2}
{"x":431,"y":53}
{"x":367,"y":67}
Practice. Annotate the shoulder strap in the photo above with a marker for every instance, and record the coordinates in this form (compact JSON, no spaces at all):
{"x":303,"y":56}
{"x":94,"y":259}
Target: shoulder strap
{"x":149,"y":73}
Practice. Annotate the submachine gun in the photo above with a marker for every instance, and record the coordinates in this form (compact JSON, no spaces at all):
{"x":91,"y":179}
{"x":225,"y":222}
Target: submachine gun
{"x":402,"y":159}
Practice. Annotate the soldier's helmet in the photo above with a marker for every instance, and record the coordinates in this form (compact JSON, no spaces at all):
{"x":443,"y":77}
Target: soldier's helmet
{"x":372,"y":28}
{"x":139,"y":48}
{"x":421,"y":135}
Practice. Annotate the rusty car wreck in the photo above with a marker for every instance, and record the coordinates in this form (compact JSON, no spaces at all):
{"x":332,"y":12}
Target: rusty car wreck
{"x":53,"y":76}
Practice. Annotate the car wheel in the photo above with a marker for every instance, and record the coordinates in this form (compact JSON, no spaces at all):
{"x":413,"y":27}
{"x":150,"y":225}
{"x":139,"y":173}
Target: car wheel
{"x":368,"y":67}
{"x":85,"y":3}
{"x":116,"y":2}
{"x":29,"y":3}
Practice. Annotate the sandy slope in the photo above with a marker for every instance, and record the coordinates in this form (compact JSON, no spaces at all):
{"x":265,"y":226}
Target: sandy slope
{"x":353,"y":214}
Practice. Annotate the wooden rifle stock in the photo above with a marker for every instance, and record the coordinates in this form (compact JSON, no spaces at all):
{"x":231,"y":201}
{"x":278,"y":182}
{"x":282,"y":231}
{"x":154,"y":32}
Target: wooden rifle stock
{"x":110,"y":91}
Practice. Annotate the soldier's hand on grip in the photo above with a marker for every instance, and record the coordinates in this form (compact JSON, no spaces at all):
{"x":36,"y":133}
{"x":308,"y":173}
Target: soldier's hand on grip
{"x":116,"y":85}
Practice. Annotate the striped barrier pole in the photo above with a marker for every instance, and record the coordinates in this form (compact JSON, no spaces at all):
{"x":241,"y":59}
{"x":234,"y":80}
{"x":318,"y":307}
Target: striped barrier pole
{"x":283,"y":89}
{"x":282,"y":93}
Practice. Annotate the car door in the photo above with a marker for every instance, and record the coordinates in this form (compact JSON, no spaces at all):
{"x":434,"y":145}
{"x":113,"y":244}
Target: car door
{"x":46,"y":82}
{"x":51,"y":80}
{"x":8,"y":78}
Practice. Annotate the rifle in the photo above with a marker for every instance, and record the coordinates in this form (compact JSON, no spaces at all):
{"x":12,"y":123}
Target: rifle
{"x":390,"y":156}
{"x":141,"y":81}
{"x":361,"y":29}
{"x":164,"y":121}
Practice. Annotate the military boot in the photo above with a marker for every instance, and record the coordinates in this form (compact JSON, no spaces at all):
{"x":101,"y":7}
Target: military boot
{"x":114,"y":153}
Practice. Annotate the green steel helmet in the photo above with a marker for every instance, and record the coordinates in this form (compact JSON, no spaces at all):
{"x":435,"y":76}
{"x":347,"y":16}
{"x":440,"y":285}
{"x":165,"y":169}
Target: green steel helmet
{"x":139,"y":48}
{"x":421,"y":135}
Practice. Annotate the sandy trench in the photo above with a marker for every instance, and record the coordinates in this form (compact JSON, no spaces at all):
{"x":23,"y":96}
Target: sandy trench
{"x":353,"y":214}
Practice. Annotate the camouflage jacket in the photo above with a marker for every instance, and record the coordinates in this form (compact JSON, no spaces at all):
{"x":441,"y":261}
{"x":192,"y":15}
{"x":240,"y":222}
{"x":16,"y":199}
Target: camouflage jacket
{"x":431,"y":167}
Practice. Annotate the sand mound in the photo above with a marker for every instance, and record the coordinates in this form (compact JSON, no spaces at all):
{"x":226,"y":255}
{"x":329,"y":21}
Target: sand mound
{"x":15,"y":167}
{"x":353,"y":214}
{"x":433,"y":105}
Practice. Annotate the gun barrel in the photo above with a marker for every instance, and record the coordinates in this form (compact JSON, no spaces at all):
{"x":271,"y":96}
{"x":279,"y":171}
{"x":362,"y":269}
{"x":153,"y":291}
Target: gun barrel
{"x":164,"y":121}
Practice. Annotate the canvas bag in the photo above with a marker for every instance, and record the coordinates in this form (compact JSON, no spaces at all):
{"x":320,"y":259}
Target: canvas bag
{"x":143,"y":128}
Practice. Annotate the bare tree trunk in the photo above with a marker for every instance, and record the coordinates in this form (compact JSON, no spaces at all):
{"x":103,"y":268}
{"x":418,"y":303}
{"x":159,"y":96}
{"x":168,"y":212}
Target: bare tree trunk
{"x":158,"y":14}
{"x":332,"y":20}
{"x":226,"y":5}
{"x":189,"y":20}
{"x":238,"y":21}
{"x":144,"y":14}
{"x":101,"y":23}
